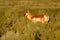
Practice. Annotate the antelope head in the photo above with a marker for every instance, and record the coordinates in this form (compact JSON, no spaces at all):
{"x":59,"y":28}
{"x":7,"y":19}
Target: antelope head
{"x":28,"y":14}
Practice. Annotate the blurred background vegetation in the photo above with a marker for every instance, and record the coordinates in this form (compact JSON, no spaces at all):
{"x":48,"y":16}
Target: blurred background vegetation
{"x":15,"y":26}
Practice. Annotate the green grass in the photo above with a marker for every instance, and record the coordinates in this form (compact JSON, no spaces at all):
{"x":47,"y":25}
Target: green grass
{"x":15,"y":26}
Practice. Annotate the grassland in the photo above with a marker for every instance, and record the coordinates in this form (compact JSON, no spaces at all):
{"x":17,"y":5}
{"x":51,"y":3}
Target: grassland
{"x":15,"y":26}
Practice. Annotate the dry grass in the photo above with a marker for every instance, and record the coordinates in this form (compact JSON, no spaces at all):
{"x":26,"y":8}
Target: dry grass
{"x":15,"y":26}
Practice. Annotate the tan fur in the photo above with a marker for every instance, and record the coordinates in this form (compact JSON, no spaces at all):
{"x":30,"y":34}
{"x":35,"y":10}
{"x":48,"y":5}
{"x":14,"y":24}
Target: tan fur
{"x":37,"y":18}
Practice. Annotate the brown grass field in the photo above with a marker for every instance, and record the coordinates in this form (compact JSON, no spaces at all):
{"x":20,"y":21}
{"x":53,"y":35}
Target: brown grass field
{"x":15,"y":26}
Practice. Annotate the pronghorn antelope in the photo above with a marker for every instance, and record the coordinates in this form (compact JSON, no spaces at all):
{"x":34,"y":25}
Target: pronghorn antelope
{"x":37,"y":18}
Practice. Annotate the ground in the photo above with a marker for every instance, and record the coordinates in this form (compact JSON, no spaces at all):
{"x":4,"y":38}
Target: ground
{"x":15,"y":26}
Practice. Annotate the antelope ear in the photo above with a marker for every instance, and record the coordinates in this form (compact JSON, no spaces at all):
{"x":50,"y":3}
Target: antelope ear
{"x":26,"y":10}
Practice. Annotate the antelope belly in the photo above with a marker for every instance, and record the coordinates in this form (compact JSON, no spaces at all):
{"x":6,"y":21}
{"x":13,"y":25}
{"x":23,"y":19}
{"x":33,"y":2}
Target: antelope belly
{"x":36,"y":19}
